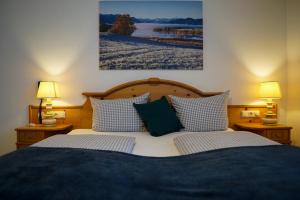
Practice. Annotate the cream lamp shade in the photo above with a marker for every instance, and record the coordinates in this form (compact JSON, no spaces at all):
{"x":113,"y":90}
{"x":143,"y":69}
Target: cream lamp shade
{"x":48,"y":89}
{"x":270,"y":90}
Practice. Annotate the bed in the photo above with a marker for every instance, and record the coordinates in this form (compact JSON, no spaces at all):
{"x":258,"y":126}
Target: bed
{"x":87,"y":164}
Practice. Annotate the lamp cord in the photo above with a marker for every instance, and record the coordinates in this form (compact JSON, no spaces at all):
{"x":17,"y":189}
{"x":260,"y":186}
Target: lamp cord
{"x":40,"y":112}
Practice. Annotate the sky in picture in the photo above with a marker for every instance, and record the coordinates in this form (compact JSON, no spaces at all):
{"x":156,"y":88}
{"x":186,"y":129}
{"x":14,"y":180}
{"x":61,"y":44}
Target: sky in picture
{"x":153,"y":9}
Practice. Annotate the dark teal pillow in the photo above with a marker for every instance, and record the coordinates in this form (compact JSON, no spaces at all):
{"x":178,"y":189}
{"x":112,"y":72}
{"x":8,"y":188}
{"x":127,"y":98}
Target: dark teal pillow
{"x":159,"y":117}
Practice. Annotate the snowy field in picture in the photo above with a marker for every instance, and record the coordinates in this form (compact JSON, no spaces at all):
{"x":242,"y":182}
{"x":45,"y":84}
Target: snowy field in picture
{"x":150,"y":35}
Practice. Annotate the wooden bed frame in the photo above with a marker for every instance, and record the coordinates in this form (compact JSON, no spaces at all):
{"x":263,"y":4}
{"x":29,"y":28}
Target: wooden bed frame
{"x":81,"y":116}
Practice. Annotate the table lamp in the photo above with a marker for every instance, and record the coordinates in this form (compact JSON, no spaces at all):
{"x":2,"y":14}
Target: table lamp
{"x":269,"y":91}
{"x":46,"y":91}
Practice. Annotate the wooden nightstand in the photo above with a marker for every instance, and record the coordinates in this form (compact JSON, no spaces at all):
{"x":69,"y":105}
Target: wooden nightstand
{"x":279,"y":133}
{"x":29,"y":135}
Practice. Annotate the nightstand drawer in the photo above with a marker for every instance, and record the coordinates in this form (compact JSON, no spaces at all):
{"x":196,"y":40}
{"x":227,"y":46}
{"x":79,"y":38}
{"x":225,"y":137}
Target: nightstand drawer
{"x":282,"y":136}
{"x":30,"y":136}
{"x":279,"y":133}
{"x":259,"y":132}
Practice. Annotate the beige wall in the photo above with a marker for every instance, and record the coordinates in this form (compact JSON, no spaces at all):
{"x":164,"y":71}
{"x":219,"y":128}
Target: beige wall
{"x":245,"y":43}
{"x":293,"y":54}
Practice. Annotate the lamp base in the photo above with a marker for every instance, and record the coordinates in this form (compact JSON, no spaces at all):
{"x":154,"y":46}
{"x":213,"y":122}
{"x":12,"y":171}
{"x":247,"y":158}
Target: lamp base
{"x":49,"y":122}
{"x":269,"y":121}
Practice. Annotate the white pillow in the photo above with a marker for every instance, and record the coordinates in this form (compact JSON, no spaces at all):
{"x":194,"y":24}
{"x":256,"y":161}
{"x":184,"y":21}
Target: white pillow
{"x":202,"y":114}
{"x":117,"y":115}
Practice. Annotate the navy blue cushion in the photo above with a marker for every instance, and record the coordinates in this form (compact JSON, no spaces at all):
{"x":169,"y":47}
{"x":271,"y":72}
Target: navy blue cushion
{"x":159,"y":117}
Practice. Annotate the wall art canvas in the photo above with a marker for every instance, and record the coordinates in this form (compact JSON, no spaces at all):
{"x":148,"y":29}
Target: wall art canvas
{"x":151,"y":35}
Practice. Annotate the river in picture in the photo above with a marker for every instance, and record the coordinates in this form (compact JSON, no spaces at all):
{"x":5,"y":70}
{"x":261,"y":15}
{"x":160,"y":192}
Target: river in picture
{"x":146,"y":30}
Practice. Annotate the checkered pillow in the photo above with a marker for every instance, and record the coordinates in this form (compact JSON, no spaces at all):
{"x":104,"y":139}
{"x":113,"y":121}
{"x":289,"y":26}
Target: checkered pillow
{"x":202,"y":114}
{"x":117,"y":115}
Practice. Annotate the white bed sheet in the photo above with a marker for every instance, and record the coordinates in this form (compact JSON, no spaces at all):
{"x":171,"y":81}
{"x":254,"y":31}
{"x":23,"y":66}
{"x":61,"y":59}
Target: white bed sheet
{"x":146,"y":145}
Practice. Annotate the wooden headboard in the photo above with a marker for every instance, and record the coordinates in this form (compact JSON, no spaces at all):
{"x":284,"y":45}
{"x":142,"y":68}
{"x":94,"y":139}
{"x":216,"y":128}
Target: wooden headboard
{"x":81,"y":116}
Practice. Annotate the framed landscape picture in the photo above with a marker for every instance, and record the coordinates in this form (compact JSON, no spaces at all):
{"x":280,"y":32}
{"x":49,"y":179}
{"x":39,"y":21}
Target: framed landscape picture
{"x":150,"y":35}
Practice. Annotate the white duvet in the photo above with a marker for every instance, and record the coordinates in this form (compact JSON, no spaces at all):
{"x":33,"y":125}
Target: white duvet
{"x":164,"y":146}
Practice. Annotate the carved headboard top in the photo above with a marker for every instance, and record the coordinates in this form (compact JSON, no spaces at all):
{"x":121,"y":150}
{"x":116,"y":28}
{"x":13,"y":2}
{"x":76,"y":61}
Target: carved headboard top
{"x":155,"y":86}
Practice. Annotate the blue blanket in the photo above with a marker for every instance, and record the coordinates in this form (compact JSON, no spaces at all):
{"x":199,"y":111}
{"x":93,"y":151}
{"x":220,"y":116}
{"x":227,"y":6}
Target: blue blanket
{"x":271,"y":172}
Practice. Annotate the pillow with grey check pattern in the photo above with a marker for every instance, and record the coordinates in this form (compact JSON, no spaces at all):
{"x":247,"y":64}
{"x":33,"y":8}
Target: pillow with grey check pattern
{"x":202,"y":114}
{"x":117,"y":115}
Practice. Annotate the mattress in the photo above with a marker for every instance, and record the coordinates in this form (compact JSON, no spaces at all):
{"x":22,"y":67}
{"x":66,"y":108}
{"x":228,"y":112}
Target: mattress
{"x":147,"y":145}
